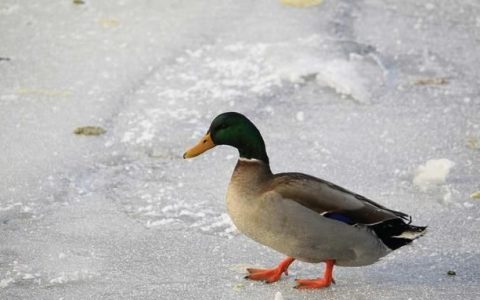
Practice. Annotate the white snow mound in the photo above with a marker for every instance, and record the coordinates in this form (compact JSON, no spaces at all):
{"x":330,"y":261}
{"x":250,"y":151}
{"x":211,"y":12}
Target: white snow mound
{"x":433,"y":173}
{"x":278,"y":296}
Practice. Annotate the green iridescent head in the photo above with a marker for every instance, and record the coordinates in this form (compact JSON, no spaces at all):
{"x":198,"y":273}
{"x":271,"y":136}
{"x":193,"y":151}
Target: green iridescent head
{"x":233,"y":129}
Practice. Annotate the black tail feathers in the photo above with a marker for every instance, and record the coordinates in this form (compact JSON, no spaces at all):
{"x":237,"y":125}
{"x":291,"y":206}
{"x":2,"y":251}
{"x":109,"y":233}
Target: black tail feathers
{"x":395,"y":233}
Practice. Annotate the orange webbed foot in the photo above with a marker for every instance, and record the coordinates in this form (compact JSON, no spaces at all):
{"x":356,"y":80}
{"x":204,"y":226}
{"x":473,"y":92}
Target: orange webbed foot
{"x":267,"y":275}
{"x":319,"y":283}
{"x":312,"y":283}
{"x":270,"y":275}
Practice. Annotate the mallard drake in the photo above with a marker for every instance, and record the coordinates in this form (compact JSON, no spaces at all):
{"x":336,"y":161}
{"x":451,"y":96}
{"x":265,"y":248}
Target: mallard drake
{"x":301,"y":216}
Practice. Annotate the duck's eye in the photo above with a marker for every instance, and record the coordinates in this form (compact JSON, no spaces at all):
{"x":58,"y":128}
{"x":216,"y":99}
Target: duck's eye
{"x":222,"y":126}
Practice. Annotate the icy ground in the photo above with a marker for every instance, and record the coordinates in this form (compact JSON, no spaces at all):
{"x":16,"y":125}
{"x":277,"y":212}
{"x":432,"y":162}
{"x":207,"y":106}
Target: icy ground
{"x":379,"y":96}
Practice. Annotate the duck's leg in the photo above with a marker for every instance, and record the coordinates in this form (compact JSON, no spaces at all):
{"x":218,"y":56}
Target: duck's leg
{"x":320,"y":282}
{"x":270,"y":275}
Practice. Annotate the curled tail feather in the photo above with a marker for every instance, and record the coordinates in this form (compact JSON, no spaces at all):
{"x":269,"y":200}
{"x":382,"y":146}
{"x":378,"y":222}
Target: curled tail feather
{"x":395,"y":233}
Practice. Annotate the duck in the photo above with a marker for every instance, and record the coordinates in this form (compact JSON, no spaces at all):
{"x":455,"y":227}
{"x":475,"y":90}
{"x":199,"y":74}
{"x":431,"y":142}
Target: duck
{"x":301,"y":216}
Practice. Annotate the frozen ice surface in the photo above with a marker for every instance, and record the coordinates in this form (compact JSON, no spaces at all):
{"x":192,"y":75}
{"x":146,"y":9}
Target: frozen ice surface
{"x":357,"y":92}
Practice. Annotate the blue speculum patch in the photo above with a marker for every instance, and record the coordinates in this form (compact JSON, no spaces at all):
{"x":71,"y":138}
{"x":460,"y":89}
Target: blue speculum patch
{"x":339,"y":217}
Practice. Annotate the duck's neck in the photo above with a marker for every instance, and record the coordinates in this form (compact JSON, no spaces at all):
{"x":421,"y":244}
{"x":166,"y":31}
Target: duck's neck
{"x":254,"y":151}
{"x":250,"y":173}
{"x":252,"y":146}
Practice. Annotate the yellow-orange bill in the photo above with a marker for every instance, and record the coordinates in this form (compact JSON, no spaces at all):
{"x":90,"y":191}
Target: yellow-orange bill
{"x":203,"y":145}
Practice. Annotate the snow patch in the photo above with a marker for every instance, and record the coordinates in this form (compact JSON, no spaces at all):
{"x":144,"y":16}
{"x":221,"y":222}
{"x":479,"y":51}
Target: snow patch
{"x":66,"y":277}
{"x":189,"y":216}
{"x":243,"y":70}
{"x":221,"y":224}
{"x":278,"y":296}
{"x":300,"y":116}
{"x":5,"y":282}
{"x":11,"y":206}
{"x":161,"y":222}
{"x":343,"y":77}
{"x":432,"y":174}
